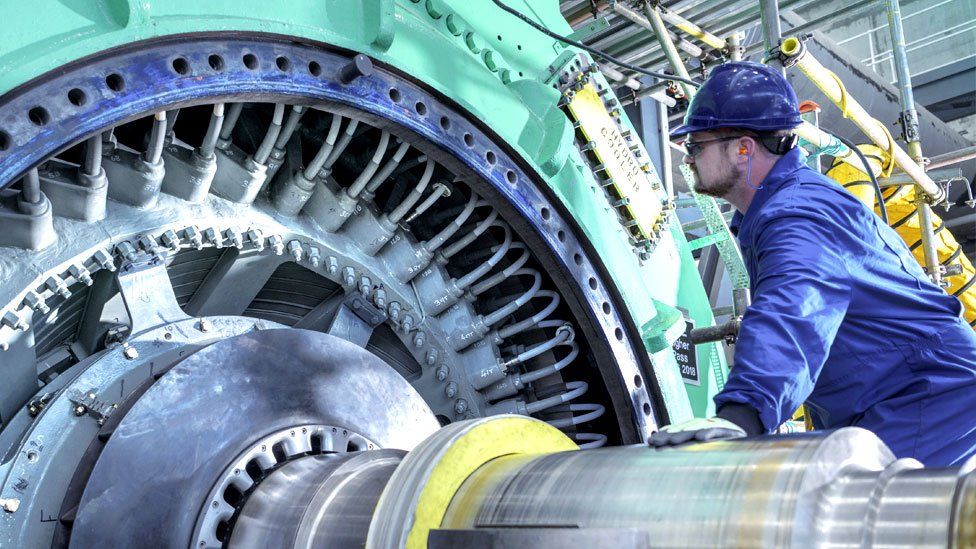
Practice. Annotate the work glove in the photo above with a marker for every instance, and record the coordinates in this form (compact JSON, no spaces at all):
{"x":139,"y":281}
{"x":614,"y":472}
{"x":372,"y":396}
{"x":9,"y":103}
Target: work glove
{"x":698,"y":430}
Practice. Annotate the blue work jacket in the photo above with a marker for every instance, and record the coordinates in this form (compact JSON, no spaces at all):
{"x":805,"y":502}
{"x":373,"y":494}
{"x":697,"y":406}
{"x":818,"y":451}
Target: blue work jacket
{"x":844,"y":319}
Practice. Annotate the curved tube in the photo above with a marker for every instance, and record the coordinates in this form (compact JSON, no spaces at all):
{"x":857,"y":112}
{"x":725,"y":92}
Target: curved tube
{"x":489,"y":264}
{"x":536,"y":375}
{"x":563,"y":336}
{"x":264,"y":149}
{"x":440,"y":190}
{"x":523,"y":325}
{"x":498,"y":277}
{"x":387,"y":169}
{"x":213,"y":131}
{"x":290,"y":126}
{"x":593,"y":411}
{"x":414,"y":196}
{"x":575,"y":389}
{"x":594,"y":440}
{"x":500,"y":314}
{"x":371,"y":167}
{"x":315,"y":166}
{"x":447,"y":232}
{"x":342,"y":144}
{"x":469,"y":238}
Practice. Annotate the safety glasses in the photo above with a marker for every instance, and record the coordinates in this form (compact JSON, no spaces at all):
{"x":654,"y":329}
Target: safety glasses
{"x":694,"y":148}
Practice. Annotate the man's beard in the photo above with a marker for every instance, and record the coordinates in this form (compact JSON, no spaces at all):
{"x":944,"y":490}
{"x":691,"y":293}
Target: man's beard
{"x":720,"y":185}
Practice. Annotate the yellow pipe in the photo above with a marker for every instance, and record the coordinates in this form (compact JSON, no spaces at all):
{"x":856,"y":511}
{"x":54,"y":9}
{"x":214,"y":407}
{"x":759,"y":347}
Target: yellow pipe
{"x":691,"y":29}
{"x":832,"y":87}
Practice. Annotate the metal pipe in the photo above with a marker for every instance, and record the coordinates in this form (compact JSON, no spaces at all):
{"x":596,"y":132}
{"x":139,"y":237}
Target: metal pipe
{"x":636,"y":17}
{"x":93,"y":155}
{"x":414,"y":196}
{"x":318,"y":161}
{"x":771,"y":30}
{"x":264,"y":149}
{"x":795,"y":52}
{"x":213,"y":131}
{"x":233,"y":114}
{"x":909,"y":128}
{"x":657,"y":25}
{"x":688,"y":27}
{"x":902,"y":179}
{"x":157,"y":139}
{"x":950,"y":158}
{"x":849,"y":10}
{"x":30,"y":190}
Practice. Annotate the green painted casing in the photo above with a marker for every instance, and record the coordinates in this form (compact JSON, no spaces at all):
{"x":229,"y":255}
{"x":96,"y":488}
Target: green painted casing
{"x":486,"y":60}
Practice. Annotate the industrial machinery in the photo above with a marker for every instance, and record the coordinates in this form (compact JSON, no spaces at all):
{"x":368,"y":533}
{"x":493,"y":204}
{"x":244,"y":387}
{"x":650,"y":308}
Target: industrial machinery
{"x":253,"y":252}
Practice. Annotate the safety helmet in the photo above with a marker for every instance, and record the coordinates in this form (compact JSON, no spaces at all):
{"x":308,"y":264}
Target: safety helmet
{"x":742,"y":94}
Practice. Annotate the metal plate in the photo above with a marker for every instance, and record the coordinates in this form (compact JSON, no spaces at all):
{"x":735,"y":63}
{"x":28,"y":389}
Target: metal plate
{"x":165,"y":456}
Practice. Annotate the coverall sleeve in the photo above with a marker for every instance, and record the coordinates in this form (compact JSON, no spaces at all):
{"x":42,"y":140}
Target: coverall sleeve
{"x":802,"y":293}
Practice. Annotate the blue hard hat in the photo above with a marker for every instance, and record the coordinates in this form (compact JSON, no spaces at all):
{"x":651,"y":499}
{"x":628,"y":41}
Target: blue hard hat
{"x":742,"y":94}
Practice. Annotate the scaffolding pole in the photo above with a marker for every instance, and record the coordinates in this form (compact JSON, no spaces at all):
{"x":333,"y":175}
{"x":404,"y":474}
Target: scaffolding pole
{"x":909,"y":128}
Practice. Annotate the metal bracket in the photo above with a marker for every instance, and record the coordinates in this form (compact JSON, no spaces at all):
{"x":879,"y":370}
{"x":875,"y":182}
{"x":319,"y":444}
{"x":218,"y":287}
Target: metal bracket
{"x":87,"y":403}
{"x":356,"y":319}
{"x":147,"y":291}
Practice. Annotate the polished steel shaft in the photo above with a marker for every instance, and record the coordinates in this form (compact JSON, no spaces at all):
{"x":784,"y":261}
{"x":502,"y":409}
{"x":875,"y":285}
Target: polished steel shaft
{"x":840,"y":490}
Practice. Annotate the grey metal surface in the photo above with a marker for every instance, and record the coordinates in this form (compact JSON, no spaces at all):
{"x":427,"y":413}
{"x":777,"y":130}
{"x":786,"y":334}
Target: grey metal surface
{"x":173,"y":444}
{"x":249,"y":474}
{"x":843,"y":489}
{"x":316,"y":501}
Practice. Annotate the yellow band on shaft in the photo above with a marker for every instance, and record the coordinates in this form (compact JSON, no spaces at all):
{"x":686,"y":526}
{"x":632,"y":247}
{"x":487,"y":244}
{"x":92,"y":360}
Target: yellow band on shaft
{"x":492,"y":439}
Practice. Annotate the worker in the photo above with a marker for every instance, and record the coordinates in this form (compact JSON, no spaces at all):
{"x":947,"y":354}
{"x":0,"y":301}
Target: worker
{"x":843,"y":318}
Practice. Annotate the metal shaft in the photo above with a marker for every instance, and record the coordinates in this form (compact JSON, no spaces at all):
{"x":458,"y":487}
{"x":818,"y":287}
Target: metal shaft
{"x":843,"y":489}
{"x":772,"y":32}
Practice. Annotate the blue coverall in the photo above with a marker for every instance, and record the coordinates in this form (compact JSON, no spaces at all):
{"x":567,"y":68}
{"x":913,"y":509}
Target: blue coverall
{"x":844,"y":318}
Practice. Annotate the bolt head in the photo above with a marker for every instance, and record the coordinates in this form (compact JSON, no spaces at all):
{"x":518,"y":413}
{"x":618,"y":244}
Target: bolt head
{"x":130,"y":353}
{"x":80,"y":410}
{"x":205,"y":325}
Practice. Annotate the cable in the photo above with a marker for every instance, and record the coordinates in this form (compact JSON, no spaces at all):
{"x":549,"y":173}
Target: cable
{"x":592,"y":51}
{"x":868,"y":170}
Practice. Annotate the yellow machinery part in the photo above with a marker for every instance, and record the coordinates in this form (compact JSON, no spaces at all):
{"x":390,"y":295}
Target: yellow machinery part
{"x":902,"y":216}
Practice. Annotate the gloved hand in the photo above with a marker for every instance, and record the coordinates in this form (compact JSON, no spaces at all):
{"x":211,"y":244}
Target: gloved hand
{"x":698,"y":429}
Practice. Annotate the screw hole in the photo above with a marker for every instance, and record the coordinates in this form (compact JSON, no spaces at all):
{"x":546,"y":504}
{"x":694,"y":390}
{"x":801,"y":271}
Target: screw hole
{"x":283,"y":63}
{"x":519,"y":46}
{"x":115,"y":82}
{"x":592,"y":283}
{"x":607,"y":310}
{"x":216,"y":62}
{"x":619,"y":334}
{"x":39,"y":116}
{"x":490,"y":157}
{"x":511,"y":177}
{"x":314,"y":68}
{"x":546,"y":214}
{"x":561,"y":236}
{"x":638,"y":381}
{"x":32,"y":456}
{"x":520,"y":73}
{"x":4,"y":141}
{"x":181,"y":66}
{"x":468,"y":140}
{"x":250,"y":61}
{"x":421,"y":108}
{"x":77,"y":97}
{"x":578,"y":259}
{"x":647,"y":409}
{"x":395,"y":95}
{"x":445,"y":123}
